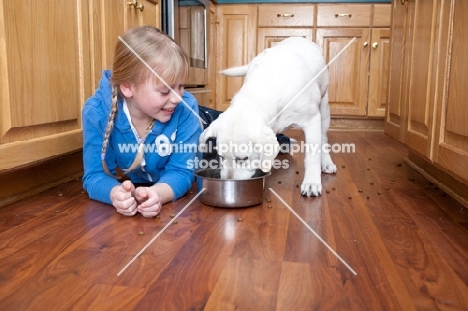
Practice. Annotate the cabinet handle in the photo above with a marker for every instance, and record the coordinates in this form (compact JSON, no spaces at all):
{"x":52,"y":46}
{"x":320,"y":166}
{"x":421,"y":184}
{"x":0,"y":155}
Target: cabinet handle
{"x":343,"y":15}
{"x":403,"y":1}
{"x":285,"y":15}
{"x":366,"y":44}
{"x":375,"y":45}
{"x":136,"y":5}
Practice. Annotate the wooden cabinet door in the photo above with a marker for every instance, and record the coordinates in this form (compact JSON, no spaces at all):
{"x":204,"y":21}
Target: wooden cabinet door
{"x":421,"y":83}
{"x":268,"y":37}
{"x":236,"y":46}
{"x":348,"y":73}
{"x":395,"y":117}
{"x":451,"y":129}
{"x":44,"y":62}
{"x":378,"y":72}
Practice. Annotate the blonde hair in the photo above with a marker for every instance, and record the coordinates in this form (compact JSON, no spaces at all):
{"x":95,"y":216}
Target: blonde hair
{"x":137,"y":48}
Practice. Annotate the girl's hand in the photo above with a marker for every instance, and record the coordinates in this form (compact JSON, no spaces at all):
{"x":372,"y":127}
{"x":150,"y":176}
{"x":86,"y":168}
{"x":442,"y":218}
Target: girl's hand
{"x":123,"y":200}
{"x":149,"y":201}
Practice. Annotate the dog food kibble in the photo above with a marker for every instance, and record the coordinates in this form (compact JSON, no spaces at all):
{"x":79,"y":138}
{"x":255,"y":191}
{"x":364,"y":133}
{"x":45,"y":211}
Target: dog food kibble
{"x":350,"y":198}
{"x":141,"y":233}
{"x":379,"y":193}
{"x":327,"y":191}
{"x":176,"y":222}
{"x":368,"y":168}
{"x":388,"y":188}
{"x":239,"y":219}
{"x":297,"y":172}
{"x":343,"y":166}
{"x":371,"y":183}
{"x":269,"y":206}
{"x":398,"y":165}
{"x":368,"y":197}
{"x":268,"y":199}
{"x":279,"y":181}
{"x":333,"y":188}
{"x":172,"y":215}
{"x":158,"y":216}
{"x":297,"y":186}
{"x":360,"y":190}
{"x":60,"y":194}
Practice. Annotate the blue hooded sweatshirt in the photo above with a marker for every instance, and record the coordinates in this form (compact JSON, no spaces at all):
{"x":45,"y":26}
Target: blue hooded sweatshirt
{"x":170,"y":146}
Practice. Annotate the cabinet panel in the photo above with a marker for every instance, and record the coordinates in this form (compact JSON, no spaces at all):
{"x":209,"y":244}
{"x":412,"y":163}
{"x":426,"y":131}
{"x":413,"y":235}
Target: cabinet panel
{"x":236,"y":46}
{"x":44,"y":62}
{"x":452,"y":145}
{"x":286,"y":15}
{"x":397,"y":88}
{"x":378,"y":72}
{"x":348,"y":86}
{"x":344,"y":15}
{"x":382,"y":15}
{"x":421,"y":77}
{"x":268,"y":37}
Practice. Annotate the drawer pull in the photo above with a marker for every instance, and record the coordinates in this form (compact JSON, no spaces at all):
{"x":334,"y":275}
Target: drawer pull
{"x":285,"y":15}
{"x":343,"y":15}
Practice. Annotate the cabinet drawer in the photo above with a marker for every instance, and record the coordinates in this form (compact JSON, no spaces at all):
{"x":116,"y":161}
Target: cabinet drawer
{"x":286,"y":15}
{"x":344,"y":15}
{"x":382,"y":14}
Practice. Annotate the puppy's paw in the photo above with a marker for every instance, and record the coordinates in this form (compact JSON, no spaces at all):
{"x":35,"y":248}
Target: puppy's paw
{"x":311,"y":190}
{"x":329,"y":168}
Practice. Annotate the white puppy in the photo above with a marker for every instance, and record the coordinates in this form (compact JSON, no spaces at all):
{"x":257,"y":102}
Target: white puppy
{"x":285,"y":86}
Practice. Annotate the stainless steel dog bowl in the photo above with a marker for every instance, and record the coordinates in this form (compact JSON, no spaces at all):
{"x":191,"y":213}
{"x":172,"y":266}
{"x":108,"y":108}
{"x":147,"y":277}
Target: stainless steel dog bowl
{"x":230,"y":193}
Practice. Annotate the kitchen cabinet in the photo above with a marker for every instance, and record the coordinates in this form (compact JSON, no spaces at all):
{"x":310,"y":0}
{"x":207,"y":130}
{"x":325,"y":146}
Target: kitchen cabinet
{"x":51,"y":57}
{"x":45,"y":65}
{"x":236,"y":46}
{"x":412,"y":86}
{"x":427,"y":106}
{"x":358,"y":76}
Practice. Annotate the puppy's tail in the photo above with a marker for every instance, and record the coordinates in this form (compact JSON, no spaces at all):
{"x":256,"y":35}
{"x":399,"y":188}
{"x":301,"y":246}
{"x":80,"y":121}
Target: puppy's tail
{"x":235,"y":71}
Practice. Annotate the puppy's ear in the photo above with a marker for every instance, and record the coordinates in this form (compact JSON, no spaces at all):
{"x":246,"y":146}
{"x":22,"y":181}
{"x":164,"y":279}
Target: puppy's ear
{"x":270,"y":149}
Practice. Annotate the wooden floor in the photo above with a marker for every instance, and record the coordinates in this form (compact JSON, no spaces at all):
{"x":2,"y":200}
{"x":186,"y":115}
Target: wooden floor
{"x":406,"y":240}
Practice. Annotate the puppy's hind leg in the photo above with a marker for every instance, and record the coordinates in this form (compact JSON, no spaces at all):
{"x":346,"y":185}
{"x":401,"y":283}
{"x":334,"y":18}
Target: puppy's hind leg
{"x":312,"y":183}
{"x":327,"y":163}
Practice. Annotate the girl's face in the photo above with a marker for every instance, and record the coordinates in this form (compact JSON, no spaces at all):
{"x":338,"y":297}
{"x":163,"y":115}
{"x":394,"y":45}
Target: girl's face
{"x":149,"y":99}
